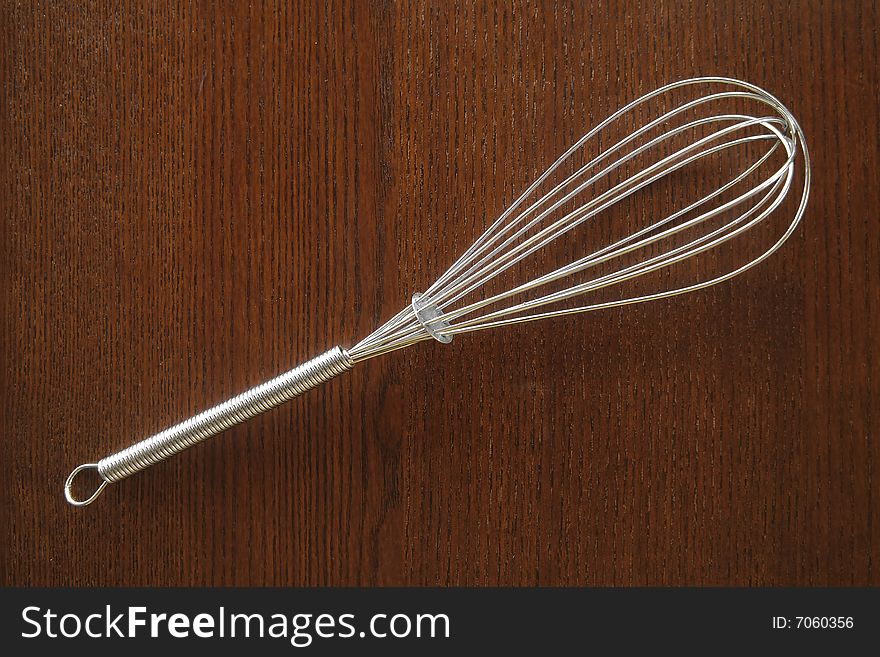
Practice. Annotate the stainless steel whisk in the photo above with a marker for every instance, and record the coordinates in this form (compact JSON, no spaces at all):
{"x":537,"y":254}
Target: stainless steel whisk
{"x":600,"y":174}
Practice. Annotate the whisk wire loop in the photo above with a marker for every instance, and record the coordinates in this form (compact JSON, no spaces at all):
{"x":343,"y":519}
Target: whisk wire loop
{"x":528,"y":226}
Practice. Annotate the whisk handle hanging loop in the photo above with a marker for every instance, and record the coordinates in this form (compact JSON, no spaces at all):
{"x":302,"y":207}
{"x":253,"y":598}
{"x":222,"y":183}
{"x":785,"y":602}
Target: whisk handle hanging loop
{"x":209,"y":423}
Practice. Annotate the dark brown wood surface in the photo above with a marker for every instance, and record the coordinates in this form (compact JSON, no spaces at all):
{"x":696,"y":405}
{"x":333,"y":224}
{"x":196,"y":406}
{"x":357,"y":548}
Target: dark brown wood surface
{"x":200,"y":196}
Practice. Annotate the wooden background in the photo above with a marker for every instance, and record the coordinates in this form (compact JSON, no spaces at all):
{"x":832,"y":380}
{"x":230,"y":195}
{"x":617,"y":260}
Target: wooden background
{"x":198,"y":197}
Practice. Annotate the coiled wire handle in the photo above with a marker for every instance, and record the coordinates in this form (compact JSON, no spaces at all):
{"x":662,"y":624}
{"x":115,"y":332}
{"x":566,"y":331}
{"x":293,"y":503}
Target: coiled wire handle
{"x":209,"y":423}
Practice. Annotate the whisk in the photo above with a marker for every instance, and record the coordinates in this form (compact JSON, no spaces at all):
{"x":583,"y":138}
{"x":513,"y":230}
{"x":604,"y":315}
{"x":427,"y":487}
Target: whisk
{"x":655,"y":150}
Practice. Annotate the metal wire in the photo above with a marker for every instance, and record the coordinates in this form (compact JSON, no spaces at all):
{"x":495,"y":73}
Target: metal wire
{"x":209,"y":423}
{"x":641,"y":158}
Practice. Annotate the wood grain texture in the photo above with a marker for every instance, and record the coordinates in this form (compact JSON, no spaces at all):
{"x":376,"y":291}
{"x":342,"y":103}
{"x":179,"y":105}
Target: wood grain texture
{"x":199,"y":196}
